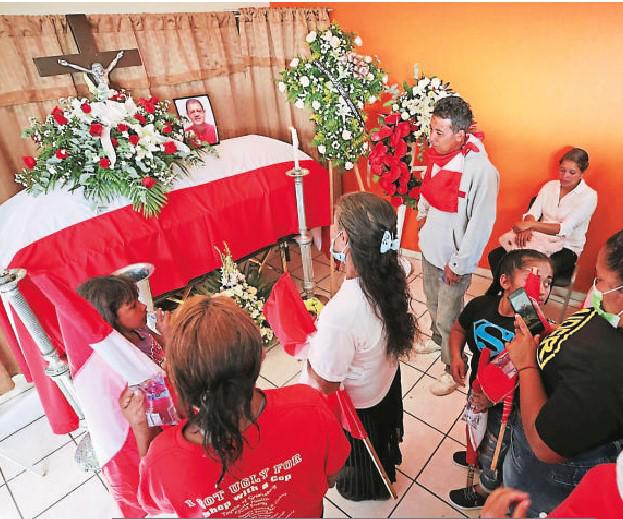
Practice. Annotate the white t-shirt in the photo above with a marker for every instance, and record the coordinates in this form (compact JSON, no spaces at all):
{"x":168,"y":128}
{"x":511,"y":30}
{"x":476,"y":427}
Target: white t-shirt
{"x":350,"y":346}
{"x":573,"y":211}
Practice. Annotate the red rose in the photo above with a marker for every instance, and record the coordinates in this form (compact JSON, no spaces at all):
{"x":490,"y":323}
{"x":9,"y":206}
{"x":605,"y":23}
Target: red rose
{"x":140,"y":118}
{"x":114,"y":142}
{"x":30,"y":161}
{"x":86,"y":108}
{"x":154,"y":100}
{"x":96,"y":130}
{"x":149,"y":182}
{"x":104,"y":163}
{"x":167,"y":128}
{"x":59,"y":116}
{"x":61,"y":154}
{"x":149,"y":108}
{"x":133,"y":139}
{"x":122,"y":127}
{"x":169,"y":147}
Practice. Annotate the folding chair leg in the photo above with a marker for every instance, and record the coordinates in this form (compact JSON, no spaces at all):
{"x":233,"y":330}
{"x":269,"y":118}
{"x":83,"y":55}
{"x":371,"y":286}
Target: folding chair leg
{"x":565,"y":304}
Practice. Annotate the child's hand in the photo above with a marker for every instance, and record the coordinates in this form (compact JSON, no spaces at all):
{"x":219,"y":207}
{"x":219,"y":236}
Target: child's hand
{"x":480,"y":401}
{"x":163,"y":323}
{"x":500,"y":501}
{"x":458,"y":368}
{"x":133,"y":407}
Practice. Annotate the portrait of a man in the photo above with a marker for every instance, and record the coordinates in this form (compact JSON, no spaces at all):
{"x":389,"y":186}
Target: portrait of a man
{"x":197,"y":110}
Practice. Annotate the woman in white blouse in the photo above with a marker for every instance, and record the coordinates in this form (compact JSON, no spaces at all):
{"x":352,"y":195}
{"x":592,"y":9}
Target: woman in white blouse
{"x":362,"y":333}
{"x":557,"y":221}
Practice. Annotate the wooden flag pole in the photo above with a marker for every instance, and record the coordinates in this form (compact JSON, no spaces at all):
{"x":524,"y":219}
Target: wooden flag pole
{"x":331,"y":259}
{"x":358,"y":177}
{"x":498,"y":447}
{"x":379,"y":466}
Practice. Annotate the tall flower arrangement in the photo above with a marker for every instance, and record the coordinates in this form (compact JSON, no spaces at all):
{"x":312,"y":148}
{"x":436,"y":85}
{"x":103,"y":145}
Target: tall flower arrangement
{"x":110,"y":148}
{"x":335,"y":82}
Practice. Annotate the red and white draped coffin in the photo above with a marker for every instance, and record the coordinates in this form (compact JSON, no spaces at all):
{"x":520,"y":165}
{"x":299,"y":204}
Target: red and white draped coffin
{"x":243,"y":197}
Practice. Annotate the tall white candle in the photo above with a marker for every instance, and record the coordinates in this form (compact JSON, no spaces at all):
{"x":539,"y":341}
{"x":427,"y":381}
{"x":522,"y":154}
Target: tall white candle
{"x":295,"y":146}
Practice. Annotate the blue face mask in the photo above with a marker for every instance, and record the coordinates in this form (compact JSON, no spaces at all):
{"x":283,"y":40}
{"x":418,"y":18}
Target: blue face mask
{"x":341,"y":254}
{"x":598,"y":298}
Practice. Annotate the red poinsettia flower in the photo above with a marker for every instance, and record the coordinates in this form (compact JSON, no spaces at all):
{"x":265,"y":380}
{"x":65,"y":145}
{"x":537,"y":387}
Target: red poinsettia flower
{"x":382,"y":133}
{"x":140,"y":118}
{"x":59,"y":116}
{"x":122,"y":127}
{"x":167,"y":128}
{"x":169,"y":147}
{"x":61,"y":154}
{"x":414,"y":192}
{"x":392,"y":119}
{"x":400,"y":148}
{"x":378,"y":153}
{"x":96,"y":130}
{"x":30,"y":161}
{"x":404,"y":128}
{"x":104,"y":163}
{"x":133,"y":139}
{"x":396,"y":201}
{"x":148,"y":182}
{"x":86,"y":108}
{"x":387,"y":184}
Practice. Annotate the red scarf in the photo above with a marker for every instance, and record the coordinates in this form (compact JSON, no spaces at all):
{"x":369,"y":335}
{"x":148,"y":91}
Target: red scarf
{"x":442,"y":191}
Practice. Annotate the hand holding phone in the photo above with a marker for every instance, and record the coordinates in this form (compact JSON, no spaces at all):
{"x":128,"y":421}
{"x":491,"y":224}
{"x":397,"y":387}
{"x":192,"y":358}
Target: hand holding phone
{"x":529,"y":311}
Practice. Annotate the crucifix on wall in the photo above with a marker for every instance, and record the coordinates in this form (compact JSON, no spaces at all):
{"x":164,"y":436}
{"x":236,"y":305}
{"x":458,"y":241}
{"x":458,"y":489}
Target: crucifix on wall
{"x":96,"y":65}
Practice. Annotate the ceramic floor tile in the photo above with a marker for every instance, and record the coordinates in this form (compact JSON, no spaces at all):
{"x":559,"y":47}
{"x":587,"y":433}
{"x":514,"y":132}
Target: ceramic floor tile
{"x":441,"y":475}
{"x":19,"y":412}
{"x":62,"y":477}
{"x":262,"y":383}
{"x":418,"y":444}
{"x":371,"y":508}
{"x":419,"y":502}
{"x":438,"y":411}
{"x":330,"y":510}
{"x":320,"y":256}
{"x":422,"y":361}
{"x":321,"y":271}
{"x":7,"y":505}
{"x":458,"y":431}
{"x":20,"y":387}
{"x":279,"y":367}
{"x":30,"y":445}
{"x":90,"y":498}
{"x":479,"y":285}
{"x":409,"y":376}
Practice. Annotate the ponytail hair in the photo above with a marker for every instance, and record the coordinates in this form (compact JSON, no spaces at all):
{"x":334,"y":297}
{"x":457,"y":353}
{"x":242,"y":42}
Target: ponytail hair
{"x":214,"y":361}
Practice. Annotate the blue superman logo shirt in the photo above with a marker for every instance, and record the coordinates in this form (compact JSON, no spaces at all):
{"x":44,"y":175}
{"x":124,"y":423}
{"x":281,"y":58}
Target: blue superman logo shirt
{"x":492,"y":336}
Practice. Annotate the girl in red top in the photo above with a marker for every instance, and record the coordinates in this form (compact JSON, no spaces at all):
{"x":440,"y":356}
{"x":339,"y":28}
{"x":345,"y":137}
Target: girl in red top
{"x":242,"y":452}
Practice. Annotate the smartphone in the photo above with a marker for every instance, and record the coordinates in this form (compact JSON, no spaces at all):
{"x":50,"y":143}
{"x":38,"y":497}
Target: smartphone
{"x":524,"y":306}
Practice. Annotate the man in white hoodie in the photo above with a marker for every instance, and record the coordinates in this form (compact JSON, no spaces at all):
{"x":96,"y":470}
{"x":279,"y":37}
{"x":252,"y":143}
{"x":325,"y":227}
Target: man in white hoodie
{"x":456,"y":210}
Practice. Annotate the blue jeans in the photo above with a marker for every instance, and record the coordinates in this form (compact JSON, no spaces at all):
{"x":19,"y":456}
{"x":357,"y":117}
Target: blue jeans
{"x":492,"y":479}
{"x":548,"y":484}
{"x":444,"y":303}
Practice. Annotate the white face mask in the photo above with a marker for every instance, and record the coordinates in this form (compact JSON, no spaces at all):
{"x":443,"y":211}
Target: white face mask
{"x":339,"y":255}
{"x":598,"y":299}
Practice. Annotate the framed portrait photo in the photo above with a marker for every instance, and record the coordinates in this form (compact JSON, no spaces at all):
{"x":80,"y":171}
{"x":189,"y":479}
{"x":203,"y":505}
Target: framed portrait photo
{"x":198,"y":117}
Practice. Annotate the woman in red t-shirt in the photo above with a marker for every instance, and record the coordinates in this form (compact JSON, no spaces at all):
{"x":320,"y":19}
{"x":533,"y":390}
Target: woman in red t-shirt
{"x":241,"y":452}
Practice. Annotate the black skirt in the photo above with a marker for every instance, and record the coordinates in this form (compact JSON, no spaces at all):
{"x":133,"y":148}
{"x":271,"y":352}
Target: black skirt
{"x":359,"y":479}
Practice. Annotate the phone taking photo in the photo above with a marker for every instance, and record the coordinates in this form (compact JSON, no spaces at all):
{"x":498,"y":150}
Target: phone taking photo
{"x":525,"y":307}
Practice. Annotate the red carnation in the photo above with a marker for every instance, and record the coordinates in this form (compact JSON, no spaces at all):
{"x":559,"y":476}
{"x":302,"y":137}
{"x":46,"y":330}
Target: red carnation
{"x":30,"y":161}
{"x":96,"y":130}
{"x":154,"y":100}
{"x":104,"y":163}
{"x":61,"y":154}
{"x":149,"y":182}
{"x":140,"y":118}
{"x":86,"y":108}
{"x":59,"y":116}
{"x":122,"y":127}
{"x":169,"y":147}
{"x":167,"y":128}
{"x":133,"y":139}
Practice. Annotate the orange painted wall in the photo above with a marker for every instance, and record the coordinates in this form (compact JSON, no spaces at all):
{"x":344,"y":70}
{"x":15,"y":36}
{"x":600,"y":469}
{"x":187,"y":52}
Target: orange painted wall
{"x":539,"y":77}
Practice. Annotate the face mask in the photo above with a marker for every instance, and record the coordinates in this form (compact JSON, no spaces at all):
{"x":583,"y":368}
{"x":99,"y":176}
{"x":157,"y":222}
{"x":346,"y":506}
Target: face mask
{"x":338,"y":255}
{"x":598,"y":298}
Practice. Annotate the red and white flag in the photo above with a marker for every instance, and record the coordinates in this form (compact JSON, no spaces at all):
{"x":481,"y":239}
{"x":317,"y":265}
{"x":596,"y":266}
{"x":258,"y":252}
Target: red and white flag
{"x":102,"y":362}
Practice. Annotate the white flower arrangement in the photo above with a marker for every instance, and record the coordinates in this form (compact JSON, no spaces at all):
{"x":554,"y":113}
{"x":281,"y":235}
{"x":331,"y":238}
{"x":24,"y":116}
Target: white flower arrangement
{"x":335,"y":83}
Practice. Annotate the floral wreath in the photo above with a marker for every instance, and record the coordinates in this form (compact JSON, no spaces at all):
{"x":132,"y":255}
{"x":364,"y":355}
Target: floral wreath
{"x":110,"y":148}
{"x":336,"y":83}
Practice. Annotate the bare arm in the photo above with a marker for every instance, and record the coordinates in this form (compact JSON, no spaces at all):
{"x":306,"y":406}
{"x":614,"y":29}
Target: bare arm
{"x":133,"y":409}
{"x":522,"y":350}
{"x":553,"y":229}
{"x":457,"y":363}
{"x":320,"y":383}
{"x":65,"y":63}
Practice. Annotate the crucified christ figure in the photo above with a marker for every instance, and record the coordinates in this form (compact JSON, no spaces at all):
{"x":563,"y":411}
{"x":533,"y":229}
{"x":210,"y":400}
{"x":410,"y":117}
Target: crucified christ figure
{"x":97,"y":71}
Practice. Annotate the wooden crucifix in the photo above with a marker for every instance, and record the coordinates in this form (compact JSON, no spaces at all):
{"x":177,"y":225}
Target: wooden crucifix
{"x":88,"y":59}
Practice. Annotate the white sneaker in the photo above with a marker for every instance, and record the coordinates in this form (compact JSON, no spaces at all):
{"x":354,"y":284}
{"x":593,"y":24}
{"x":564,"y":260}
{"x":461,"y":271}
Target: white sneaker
{"x":428,"y":346}
{"x":444,"y":386}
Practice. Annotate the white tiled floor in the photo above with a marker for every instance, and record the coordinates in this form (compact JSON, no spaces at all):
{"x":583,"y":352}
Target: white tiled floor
{"x":433,"y":431}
